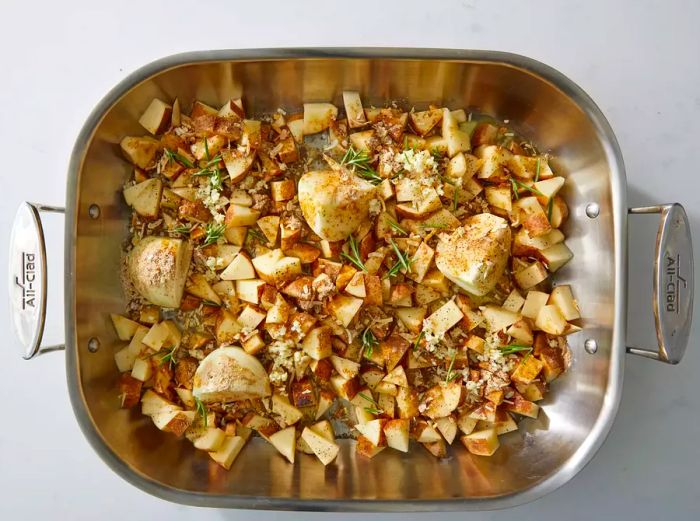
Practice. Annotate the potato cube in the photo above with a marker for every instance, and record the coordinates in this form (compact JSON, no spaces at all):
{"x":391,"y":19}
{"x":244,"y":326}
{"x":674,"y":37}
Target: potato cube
{"x":481,"y":443}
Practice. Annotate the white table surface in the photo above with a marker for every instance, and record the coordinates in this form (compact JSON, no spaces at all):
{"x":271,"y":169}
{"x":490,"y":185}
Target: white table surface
{"x":638,"y":60}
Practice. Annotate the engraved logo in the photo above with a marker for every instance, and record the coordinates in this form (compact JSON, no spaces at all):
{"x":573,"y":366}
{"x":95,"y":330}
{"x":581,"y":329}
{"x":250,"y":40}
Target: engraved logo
{"x":27,"y":280}
{"x":674,"y":282}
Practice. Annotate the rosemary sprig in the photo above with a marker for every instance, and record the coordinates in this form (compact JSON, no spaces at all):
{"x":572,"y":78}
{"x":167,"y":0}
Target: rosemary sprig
{"x":174,"y":156}
{"x":450,"y":375}
{"x":254,"y":233}
{"x":214,"y":233}
{"x":403,"y":260}
{"x":369,"y":342}
{"x":354,"y":255}
{"x":436,"y":226}
{"x":517,"y":184}
{"x":211,"y":169}
{"x":537,"y":170}
{"x":455,"y":199}
{"x":169,"y":357}
{"x":514,"y":348}
{"x":359,"y":161}
{"x":550,"y":206}
{"x":416,"y":343}
{"x":437,"y":155}
{"x":201,"y":410}
{"x":396,"y":226}
{"x":374,"y":407}
{"x":370,"y":175}
{"x":182,"y":229}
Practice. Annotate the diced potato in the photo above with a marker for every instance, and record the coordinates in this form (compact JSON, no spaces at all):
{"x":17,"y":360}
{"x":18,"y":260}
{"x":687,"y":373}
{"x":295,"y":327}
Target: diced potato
{"x":397,"y":434}
{"x":412,"y":317}
{"x":124,"y":327}
{"x":250,"y":317}
{"x":249,"y":290}
{"x":285,"y":442}
{"x":556,"y":256}
{"x":427,"y":433}
{"x":211,"y":440}
{"x":345,"y":368}
{"x":523,"y":407}
{"x":475,"y":343}
{"x":156,"y":118}
{"x":527,"y":370}
{"x":366,"y":448}
{"x":437,"y":448}
{"x":563,"y":299}
{"x":283,"y":190}
{"x":494,"y":159}
{"x":228,"y":451}
{"x":444,"y":318}
{"x":200,"y":287}
{"x":238,"y":216}
{"x":240,"y":268}
{"x":423,"y":122}
{"x":325,"y":450}
{"x":441,"y":400}
{"x":521,"y":331}
{"x":534,"y":301}
{"x":362,"y":141}
{"x":373,"y":431}
{"x":281,"y":406}
{"x":531,"y":276}
{"x":498,"y":318}
{"x":356,"y":286}
{"x":550,"y":187}
{"x":514,"y":302}
{"x":448,"y":428}
{"x":145,"y":197}
{"x":466,"y":423}
{"x":325,"y":400}
{"x":499,"y":197}
{"x":407,"y":402}
{"x":141,"y":151}
{"x":237,"y":163}
{"x":533,"y":218}
{"x":344,"y":308}
{"x":142,"y":370}
{"x":457,"y":140}
{"x":318,"y":117}
{"x":481,"y":443}
{"x":173,"y":421}
{"x":353,"y":109}
{"x":550,"y":320}
{"x":317,"y":343}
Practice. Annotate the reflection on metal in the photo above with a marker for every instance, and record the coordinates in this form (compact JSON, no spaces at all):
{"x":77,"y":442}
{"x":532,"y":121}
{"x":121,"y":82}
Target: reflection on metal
{"x":673,"y":284}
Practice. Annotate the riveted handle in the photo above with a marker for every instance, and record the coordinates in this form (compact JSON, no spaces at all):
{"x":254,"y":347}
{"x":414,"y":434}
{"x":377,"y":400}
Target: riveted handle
{"x":673,"y":283}
{"x":28,"y":278}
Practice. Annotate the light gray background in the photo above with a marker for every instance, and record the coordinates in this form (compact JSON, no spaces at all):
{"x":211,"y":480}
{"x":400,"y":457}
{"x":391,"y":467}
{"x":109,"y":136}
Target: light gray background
{"x":637,"y":59}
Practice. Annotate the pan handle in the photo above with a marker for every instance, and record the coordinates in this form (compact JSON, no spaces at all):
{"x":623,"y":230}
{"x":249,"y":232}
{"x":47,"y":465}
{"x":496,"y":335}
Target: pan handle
{"x":673,"y":284}
{"x":28,"y":278}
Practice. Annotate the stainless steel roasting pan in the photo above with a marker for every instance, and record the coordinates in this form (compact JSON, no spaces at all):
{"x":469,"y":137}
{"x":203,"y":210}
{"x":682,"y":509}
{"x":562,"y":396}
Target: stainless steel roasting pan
{"x":539,"y":102}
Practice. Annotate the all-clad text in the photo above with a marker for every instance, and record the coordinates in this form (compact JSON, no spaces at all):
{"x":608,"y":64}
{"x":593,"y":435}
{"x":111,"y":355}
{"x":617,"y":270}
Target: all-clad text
{"x":27,"y":280}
